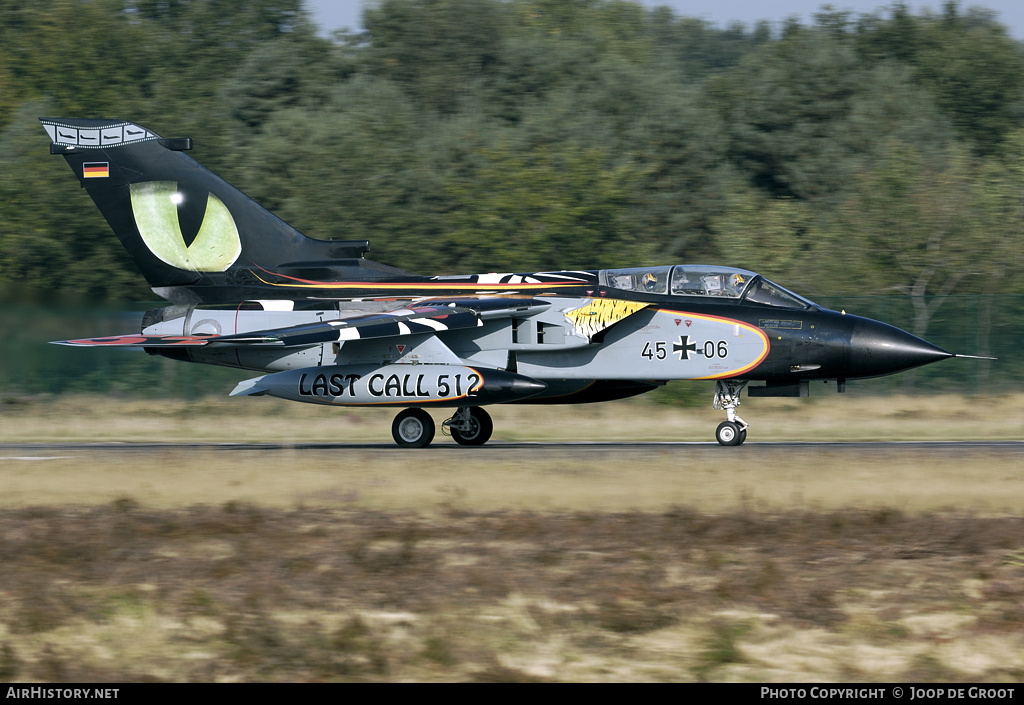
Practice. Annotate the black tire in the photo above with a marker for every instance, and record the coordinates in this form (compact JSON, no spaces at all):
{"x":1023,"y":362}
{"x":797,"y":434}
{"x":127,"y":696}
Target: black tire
{"x":743,"y":437}
{"x":481,"y":431}
{"x":730,"y":434}
{"x":413,"y":428}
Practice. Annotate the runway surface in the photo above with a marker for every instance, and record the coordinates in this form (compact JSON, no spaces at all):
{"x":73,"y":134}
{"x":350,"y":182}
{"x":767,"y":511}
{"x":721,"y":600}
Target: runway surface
{"x":443,"y":445}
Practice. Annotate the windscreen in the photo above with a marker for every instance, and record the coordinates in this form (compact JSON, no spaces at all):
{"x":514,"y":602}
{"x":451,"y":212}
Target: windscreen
{"x":768,"y":293}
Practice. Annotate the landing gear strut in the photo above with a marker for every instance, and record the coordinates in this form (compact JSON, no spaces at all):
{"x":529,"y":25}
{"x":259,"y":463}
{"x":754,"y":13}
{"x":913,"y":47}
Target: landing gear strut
{"x":469,"y":426}
{"x":727,"y":396}
{"x":413,"y":428}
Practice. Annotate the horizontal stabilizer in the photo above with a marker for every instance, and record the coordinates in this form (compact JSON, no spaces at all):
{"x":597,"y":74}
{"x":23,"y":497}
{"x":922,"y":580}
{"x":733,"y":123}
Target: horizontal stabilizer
{"x":140,"y":341}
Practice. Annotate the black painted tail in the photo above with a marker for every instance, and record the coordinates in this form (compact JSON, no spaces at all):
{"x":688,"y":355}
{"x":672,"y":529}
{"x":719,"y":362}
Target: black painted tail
{"x":194,"y":237}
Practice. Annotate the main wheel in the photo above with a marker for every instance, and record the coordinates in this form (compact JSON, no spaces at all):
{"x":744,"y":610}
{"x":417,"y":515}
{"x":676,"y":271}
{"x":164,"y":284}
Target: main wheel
{"x":730,"y":434}
{"x":413,"y":428}
{"x":480,"y":430}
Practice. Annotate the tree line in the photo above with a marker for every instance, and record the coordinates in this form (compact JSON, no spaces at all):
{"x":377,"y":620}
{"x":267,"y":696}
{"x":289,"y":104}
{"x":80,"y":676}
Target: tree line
{"x":857,"y":154}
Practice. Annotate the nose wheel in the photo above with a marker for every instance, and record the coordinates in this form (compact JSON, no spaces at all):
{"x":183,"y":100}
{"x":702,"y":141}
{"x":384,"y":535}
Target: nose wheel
{"x":729,"y":433}
{"x":732,"y":432}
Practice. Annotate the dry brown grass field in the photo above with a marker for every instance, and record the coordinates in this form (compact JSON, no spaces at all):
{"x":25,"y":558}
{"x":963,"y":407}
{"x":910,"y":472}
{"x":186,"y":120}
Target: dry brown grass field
{"x":511,"y":563}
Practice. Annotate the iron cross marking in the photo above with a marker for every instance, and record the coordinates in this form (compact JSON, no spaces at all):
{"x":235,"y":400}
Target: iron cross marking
{"x":684,"y":347}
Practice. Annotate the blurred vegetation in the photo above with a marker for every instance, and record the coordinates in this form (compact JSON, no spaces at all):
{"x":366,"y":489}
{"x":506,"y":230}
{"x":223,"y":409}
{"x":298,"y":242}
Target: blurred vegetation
{"x":879,"y":154}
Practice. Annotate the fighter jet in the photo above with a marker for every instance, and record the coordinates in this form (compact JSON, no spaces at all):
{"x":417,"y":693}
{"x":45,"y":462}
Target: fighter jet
{"x":325,"y":325}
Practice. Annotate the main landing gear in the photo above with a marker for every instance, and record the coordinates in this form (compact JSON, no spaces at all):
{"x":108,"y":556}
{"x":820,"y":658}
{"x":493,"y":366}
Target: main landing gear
{"x":469,"y":426}
{"x":727,"y":396}
{"x":413,"y":428}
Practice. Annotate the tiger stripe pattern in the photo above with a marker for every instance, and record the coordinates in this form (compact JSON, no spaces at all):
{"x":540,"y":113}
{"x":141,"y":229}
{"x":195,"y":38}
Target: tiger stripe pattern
{"x":600,"y":314}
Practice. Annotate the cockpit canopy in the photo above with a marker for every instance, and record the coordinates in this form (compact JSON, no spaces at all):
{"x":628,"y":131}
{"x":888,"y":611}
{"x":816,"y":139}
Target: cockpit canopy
{"x":703,"y":280}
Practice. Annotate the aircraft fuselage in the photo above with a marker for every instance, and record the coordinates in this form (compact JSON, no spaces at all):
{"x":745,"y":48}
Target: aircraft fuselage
{"x":576,"y":337}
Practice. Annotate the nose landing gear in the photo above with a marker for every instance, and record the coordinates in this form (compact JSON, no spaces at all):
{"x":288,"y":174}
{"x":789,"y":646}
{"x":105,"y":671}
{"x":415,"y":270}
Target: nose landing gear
{"x":732,"y":432}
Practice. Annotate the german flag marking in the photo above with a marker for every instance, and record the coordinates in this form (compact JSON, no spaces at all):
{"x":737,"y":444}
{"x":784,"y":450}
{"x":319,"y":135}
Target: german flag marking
{"x":96,"y":170}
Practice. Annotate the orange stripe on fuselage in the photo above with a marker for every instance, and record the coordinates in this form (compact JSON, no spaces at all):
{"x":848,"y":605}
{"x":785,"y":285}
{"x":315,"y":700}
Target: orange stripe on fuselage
{"x":731,"y":321}
{"x":424,"y":286}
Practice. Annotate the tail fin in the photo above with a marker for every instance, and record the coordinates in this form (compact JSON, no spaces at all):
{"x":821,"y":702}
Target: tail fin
{"x":193,"y":236}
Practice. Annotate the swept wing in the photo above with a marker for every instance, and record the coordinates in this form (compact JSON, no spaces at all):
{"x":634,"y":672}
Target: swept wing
{"x":421,"y":319}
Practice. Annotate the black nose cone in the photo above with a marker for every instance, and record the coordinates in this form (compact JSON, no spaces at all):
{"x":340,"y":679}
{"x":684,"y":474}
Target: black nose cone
{"x":878,"y":349}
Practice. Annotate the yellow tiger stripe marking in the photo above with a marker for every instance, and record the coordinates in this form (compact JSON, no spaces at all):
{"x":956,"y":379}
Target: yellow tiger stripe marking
{"x":599,"y":314}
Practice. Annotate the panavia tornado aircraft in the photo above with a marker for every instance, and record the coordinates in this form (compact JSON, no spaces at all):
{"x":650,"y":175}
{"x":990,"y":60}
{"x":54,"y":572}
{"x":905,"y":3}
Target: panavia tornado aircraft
{"x":327,"y":326}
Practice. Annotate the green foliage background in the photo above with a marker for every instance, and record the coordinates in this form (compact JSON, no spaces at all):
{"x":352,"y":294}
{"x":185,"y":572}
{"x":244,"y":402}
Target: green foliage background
{"x":869,"y":155}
